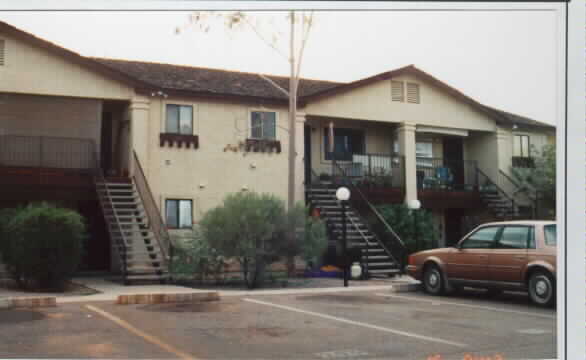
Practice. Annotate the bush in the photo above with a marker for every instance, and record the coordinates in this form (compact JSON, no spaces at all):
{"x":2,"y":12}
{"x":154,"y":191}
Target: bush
{"x":310,"y":236}
{"x":247,"y":227}
{"x":195,"y":256}
{"x":413,"y":227}
{"x":43,"y":246}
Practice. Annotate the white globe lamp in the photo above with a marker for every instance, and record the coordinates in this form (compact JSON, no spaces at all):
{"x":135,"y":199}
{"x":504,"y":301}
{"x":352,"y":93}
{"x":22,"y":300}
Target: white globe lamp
{"x":343,"y":194}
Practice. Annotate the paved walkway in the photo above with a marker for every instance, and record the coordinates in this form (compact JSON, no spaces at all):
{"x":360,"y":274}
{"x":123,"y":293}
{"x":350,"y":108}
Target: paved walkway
{"x":109,"y":291}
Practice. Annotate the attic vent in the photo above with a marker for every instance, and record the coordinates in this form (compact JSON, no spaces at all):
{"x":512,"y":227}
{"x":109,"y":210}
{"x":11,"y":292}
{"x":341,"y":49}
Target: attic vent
{"x":397,"y":91}
{"x":413,"y":93}
{"x":1,"y":52}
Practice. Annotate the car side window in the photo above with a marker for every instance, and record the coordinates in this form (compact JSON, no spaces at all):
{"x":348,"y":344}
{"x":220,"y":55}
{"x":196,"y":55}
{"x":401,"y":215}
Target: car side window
{"x":514,"y":237}
{"x":481,"y":239}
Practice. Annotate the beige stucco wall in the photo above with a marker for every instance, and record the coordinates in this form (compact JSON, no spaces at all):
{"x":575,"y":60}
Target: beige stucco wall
{"x":51,"y":117}
{"x":373,"y":102}
{"x":32,"y":70}
{"x":483,"y":147}
{"x":207,"y":174}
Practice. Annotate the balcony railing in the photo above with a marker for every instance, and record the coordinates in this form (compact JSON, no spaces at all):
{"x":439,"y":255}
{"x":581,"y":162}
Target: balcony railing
{"x":372,"y":170}
{"x":444,"y":174}
{"x":46,"y":152}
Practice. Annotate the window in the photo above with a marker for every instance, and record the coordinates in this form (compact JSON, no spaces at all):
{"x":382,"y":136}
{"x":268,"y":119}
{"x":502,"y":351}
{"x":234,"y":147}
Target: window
{"x":179,"y":119}
{"x":263,"y":125}
{"x":412,"y":93}
{"x":424,"y":150}
{"x":514,"y":237}
{"x":346,"y":143}
{"x":521,"y":145}
{"x":481,"y":239}
{"x":397,"y":92}
{"x":178,"y":214}
{"x":550,"y":233}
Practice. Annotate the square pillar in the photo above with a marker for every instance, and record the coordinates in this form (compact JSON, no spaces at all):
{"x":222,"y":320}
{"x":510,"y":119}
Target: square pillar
{"x":406,"y":138}
{"x":139,"y":132}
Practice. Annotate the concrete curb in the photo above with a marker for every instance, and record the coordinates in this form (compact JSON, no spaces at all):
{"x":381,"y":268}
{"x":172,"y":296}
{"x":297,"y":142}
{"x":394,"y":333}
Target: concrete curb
{"x":167,"y":298}
{"x":28,"y":302}
{"x":406,"y":287}
{"x":302,"y":291}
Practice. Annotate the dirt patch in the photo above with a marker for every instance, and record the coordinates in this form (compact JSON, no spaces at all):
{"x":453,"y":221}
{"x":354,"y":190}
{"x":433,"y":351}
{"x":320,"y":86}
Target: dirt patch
{"x":9,"y":316}
{"x":344,"y":299}
{"x":197,"y":307}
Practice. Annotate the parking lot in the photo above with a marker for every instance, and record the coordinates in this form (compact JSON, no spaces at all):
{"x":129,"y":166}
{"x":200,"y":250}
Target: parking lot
{"x":350,"y":325}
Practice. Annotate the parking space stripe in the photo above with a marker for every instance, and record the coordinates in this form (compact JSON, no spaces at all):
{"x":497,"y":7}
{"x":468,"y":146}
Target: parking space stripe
{"x":489,"y":308}
{"x":153,"y":340}
{"x":356,"y":323}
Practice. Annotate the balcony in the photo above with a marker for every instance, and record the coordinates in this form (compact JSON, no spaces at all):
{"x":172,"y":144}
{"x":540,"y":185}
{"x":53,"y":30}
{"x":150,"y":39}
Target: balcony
{"x":523,"y":162}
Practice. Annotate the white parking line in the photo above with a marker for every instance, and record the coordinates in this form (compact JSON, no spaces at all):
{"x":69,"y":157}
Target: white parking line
{"x":489,"y":308}
{"x":356,"y":323}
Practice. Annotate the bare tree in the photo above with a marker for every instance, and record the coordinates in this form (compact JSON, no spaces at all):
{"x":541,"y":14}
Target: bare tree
{"x":300,"y":24}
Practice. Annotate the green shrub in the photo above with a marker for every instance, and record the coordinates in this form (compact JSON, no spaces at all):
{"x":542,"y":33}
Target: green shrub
{"x":247,"y":227}
{"x":44,"y":245}
{"x":414,"y":227}
{"x":6,"y":215}
{"x":310,"y":235}
{"x":194,"y":257}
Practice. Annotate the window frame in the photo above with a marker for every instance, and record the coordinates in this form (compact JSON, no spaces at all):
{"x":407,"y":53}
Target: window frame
{"x":178,"y":214}
{"x":250,"y":112}
{"x":496,"y":237}
{"x":521,"y":136}
{"x":424,"y":160}
{"x":325,"y":143}
{"x":179,"y":106}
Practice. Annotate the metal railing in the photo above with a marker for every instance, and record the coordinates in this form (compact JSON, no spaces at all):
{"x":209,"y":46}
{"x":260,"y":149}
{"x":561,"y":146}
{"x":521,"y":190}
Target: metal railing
{"x":374,"y":221}
{"x":372,"y":170}
{"x":516,"y":191}
{"x":47,"y":152}
{"x":154,"y":215}
{"x":523,"y":162}
{"x":487,"y":185}
{"x":117,"y":235}
{"x":445,"y":174}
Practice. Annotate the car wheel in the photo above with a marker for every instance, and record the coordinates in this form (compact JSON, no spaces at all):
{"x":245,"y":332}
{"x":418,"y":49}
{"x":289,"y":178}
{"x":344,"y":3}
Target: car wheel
{"x":433,"y":282}
{"x":542,"y":289}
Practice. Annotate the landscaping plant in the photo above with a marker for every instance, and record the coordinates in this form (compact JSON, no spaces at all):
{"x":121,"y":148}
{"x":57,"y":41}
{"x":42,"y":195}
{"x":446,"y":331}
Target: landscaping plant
{"x":414,"y":227}
{"x":42,"y":245}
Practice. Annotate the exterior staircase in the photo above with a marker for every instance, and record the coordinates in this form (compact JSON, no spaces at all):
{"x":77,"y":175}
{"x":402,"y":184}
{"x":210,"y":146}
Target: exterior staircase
{"x":501,"y":206}
{"x":375,"y":258}
{"x":140,"y":256}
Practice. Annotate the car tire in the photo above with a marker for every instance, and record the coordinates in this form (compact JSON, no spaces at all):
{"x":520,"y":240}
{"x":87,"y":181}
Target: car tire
{"x":433,"y":281}
{"x":542,"y":289}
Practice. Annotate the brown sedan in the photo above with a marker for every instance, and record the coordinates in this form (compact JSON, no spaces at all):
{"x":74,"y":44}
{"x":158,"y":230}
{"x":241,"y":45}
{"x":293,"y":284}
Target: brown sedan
{"x":512,"y":255}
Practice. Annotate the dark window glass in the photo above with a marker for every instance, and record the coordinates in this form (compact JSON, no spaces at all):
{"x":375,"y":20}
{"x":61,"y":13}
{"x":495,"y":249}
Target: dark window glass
{"x":179,"y":119}
{"x":514,"y":237}
{"x":263,"y":125}
{"x":346,"y":143}
{"x":178,"y":214}
{"x":481,"y":239}
{"x":550,"y":232}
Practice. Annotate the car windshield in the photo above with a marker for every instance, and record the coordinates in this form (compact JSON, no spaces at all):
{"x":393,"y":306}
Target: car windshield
{"x":550,"y":232}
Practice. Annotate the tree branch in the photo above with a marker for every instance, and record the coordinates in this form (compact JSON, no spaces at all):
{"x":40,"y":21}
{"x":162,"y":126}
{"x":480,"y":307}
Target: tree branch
{"x":275,"y":84}
{"x":263,"y":39}
{"x":303,"y":42}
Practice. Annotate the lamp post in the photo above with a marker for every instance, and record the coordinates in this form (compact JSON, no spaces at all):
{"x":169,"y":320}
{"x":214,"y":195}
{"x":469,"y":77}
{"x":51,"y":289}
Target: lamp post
{"x":343,"y":194}
{"x":413,"y":206}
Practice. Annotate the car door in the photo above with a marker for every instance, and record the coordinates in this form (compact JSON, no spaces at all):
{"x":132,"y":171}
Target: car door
{"x":469,"y":260}
{"x":509,"y":256}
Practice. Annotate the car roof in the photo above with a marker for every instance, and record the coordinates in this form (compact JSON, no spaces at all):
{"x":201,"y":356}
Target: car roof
{"x":521,"y":222}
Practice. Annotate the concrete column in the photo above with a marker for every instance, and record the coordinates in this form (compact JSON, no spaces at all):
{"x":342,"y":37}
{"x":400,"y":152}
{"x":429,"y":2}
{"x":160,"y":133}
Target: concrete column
{"x":406,"y":138}
{"x":139,"y":132}
{"x":300,"y":158}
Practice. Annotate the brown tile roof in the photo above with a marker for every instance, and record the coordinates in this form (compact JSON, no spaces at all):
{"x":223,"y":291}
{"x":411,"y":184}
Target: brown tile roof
{"x":212,"y":81}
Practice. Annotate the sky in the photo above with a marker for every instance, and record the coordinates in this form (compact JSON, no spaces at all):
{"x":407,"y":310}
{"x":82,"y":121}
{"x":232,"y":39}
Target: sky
{"x":505,"y":59}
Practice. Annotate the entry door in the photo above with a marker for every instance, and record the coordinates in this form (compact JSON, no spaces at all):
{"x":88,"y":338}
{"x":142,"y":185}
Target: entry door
{"x":454,"y":155}
{"x":469,"y":261}
{"x":509,"y":256}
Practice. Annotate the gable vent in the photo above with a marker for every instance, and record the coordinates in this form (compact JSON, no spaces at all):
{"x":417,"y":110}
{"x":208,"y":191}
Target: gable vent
{"x":413,"y":93}
{"x":1,"y":52}
{"x":397,"y":91}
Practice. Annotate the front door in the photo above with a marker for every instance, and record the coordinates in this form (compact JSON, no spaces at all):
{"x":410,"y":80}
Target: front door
{"x":454,"y":158}
{"x":469,"y":260}
{"x":509,"y":256}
